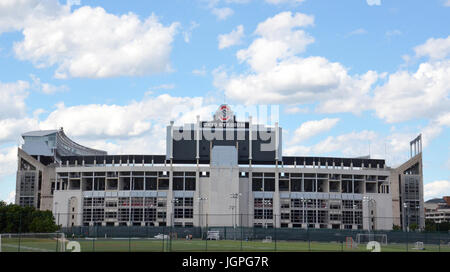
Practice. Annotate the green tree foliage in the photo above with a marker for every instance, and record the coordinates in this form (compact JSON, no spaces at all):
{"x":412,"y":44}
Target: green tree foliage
{"x":431,"y":226}
{"x":396,"y":227}
{"x":14,"y":219}
{"x":413,"y":227}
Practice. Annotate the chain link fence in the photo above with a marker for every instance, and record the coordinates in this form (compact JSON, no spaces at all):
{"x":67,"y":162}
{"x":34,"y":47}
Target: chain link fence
{"x":239,"y":233}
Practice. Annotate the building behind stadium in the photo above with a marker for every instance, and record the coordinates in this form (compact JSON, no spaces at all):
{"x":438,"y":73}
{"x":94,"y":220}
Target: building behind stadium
{"x":223,"y":172}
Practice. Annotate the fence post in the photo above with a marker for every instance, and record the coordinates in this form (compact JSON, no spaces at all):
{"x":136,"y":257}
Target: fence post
{"x":20,"y":229}
{"x":407,"y":239}
{"x":129,"y":239}
{"x":439,"y":239}
{"x":309,"y":240}
{"x":275,"y":233}
{"x":242,"y":232}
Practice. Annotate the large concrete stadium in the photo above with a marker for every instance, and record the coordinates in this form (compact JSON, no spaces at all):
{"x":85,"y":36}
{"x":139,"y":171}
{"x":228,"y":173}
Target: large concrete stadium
{"x":222,"y":172}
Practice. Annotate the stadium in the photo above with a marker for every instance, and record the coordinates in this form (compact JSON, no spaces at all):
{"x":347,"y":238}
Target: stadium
{"x":223,"y":185}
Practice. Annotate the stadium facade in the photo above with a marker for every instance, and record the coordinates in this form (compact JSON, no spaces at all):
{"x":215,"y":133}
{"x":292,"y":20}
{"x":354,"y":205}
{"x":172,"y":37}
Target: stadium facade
{"x":222,"y":172}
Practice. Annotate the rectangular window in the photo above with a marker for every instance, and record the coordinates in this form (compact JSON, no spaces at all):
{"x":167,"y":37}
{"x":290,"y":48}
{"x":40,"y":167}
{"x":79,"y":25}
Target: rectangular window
{"x":190,"y":184}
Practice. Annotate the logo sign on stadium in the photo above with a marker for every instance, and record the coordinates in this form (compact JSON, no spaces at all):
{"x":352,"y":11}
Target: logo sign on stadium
{"x":224,"y":113}
{"x":224,"y":118}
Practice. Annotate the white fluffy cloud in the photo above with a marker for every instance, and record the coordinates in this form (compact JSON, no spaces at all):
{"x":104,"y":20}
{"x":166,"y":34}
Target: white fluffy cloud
{"x":12,"y":99}
{"x":434,"y":48}
{"x":436,"y":189}
{"x":16,"y":14}
{"x":114,"y":121}
{"x":304,"y":80}
{"x":394,"y":148}
{"x":312,"y":128}
{"x":12,"y":128}
{"x":117,"y":46}
{"x":279,"y":75}
{"x":373,"y":2}
{"x":232,"y":38}
{"x":406,"y":95}
{"x":8,"y":161}
{"x":280,"y":38}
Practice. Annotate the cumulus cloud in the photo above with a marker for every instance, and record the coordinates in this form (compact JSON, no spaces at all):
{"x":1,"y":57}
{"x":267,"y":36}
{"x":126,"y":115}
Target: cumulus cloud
{"x":114,"y":121}
{"x":15,"y":15}
{"x":304,"y":80}
{"x":279,"y":75}
{"x":232,"y":38}
{"x":12,"y":128}
{"x":406,"y":95}
{"x":313,"y":128}
{"x":280,"y":38}
{"x":436,"y":189}
{"x":8,"y":161}
{"x":117,"y":45}
{"x":434,"y":48}
{"x":12,"y":99}
{"x":394,"y":147}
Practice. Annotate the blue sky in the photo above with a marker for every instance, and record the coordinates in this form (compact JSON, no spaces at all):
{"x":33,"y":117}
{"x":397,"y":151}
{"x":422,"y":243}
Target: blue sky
{"x":350,"y":78}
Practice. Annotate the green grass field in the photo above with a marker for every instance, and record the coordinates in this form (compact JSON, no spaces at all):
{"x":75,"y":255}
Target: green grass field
{"x":148,"y":245}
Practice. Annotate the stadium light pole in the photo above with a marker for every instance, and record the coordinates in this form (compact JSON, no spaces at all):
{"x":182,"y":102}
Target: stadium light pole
{"x":200,"y":200}
{"x":370,"y":200}
{"x":235,"y":196}
{"x":418,"y":211}
{"x":174,"y":201}
{"x":405,"y":205}
{"x":303,"y":206}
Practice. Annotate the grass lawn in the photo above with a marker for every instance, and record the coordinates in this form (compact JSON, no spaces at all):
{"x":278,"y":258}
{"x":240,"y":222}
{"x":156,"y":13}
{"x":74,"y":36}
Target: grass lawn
{"x":148,"y":245}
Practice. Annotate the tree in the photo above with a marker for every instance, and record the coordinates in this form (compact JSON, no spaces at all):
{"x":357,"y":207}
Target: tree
{"x":430,"y":225}
{"x":396,"y":227}
{"x":14,"y":219}
{"x":413,"y":227}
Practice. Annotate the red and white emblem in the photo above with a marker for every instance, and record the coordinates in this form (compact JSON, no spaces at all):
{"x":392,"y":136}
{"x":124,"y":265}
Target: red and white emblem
{"x":224,"y":114}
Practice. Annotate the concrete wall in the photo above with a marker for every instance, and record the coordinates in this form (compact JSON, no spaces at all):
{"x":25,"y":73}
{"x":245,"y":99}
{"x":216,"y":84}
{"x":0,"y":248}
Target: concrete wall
{"x":63,"y":202}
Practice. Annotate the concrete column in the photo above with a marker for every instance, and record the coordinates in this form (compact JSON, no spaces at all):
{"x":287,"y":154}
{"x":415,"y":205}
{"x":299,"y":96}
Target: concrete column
{"x":276,"y":198}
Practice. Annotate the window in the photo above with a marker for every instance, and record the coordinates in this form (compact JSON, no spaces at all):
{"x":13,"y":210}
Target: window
{"x":190,"y":184}
{"x":284,"y":185}
{"x":162,"y":215}
{"x":150,"y":215}
{"x":257,"y":184}
{"x":296,"y":185}
{"x":188,"y":213}
{"x":178,"y":213}
{"x":189,"y":202}
{"x":163,"y":184}
{"x":178,"y":202}
{"x":269,"y":185}
{"x":178,"y":184}
{"x":258,"y":214}
{"x":150,"y":184}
